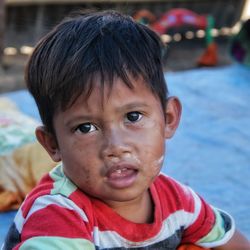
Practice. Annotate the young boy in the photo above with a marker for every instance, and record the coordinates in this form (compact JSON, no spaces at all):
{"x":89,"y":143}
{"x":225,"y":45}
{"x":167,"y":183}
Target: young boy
{"x":98,"y":82}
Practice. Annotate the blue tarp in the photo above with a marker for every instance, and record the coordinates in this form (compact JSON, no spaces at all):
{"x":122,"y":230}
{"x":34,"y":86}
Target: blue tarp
{"x":211,"y":149}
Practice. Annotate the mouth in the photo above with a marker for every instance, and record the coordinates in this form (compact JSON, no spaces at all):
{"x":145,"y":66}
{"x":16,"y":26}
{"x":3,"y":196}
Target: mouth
{"x":122,"y":175}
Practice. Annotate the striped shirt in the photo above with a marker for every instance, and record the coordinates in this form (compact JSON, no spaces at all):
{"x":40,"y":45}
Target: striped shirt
{"x":58,"y":215}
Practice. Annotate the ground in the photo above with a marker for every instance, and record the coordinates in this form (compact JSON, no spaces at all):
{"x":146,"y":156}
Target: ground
{"x":180,"y":56}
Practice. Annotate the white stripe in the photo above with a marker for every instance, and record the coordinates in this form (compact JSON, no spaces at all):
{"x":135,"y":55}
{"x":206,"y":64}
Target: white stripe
{"x":43,"y":202}
{"x":19,"y":220}
{"x":197,"y":207}
{"x":197,"y":201}
{"x":228,"y":235}
{"x":111,"y":239}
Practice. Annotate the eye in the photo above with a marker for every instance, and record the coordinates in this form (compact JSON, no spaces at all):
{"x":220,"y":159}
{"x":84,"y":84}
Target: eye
{"x":134,"y":116}
{"x":86,"y":128}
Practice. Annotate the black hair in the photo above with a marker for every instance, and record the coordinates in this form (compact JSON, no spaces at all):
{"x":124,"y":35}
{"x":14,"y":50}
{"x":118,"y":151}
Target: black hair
{"x":107,"y":43}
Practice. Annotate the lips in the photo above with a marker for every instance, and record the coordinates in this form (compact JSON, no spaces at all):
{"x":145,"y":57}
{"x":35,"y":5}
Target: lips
{"x":122,"y":175}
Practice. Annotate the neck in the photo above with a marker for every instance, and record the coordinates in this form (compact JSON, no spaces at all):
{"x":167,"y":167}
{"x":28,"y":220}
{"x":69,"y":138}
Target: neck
{"x":139,"y":211}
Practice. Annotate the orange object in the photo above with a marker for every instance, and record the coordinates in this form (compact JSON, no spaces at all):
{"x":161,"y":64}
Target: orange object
{"x":144,"y":16}
{"x":209,"y":57}
{"x":190,"y":247}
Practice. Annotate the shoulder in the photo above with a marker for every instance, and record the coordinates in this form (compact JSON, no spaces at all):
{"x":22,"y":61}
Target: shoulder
{"x":179,"y":199}
{"x":174,"y":191}
{"x":56,"y":207}
{"x":57,"y":199}
{"x":176,"y":199}
{"x":54,"y":187}
{"x":203,"y":224}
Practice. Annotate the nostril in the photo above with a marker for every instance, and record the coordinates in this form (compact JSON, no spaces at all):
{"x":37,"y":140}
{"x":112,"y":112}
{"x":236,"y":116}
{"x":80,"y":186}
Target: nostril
{"x":116,"y":150}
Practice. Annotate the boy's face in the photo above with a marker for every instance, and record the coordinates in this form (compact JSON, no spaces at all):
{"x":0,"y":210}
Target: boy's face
{"x":112,"y":144}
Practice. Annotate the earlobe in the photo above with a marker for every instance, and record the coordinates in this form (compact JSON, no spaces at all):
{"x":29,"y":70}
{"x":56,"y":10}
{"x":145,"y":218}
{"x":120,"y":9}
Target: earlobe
{"x":48,"y":141}
{"x":173,"y":115}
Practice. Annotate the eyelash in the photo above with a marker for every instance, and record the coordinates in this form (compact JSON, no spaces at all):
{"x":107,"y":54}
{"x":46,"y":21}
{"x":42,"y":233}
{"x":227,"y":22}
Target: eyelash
{"x":91,"y":128}
{"x":134,"y":113}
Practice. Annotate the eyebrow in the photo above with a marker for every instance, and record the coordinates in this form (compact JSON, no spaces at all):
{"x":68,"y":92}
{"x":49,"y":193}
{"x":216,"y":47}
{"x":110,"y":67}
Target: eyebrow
{"x":134,"y":105}
{"x":78,"y":118}
{"x":126,"y":107}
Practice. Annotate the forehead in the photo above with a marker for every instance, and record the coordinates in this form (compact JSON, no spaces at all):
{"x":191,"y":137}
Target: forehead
{"x":101,"y":93}
{"x":104,"y":89}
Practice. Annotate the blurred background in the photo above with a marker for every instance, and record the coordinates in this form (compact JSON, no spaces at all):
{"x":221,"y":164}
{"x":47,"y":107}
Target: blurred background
{"x":24,"y":22}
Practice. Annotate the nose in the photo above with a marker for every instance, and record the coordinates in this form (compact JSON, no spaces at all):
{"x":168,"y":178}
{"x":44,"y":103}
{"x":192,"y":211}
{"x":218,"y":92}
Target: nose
{"x":115,"y":144}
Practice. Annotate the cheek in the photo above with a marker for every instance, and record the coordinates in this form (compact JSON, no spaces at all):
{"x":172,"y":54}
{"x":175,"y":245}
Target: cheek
{"x":153,"y":148}
{"x":79,"y":159}
{"x":79,"y":149}
{"x":81,"y":169}
{"x":154,"y":155}
{"x":153,"y":136}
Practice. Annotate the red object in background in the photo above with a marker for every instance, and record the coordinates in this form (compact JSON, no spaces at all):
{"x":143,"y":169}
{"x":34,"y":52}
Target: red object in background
{"x":178,"y":18}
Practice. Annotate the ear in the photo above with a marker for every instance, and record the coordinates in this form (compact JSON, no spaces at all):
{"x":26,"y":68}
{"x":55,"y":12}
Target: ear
{"x":173,"y":115}
{"x":48,"y":141}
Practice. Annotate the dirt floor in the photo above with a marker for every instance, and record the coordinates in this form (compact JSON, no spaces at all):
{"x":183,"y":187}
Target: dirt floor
{"x":180,"y":56}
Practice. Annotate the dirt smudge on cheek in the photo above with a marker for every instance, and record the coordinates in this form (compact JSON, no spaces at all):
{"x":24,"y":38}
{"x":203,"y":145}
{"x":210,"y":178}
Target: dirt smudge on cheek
{"x":132,"y":157}
{"x":157,"y":164}
{"x":153,"y":157}
{"x":85,"y":181}
{"x":151,"y":141}
{"x":150,"y":131}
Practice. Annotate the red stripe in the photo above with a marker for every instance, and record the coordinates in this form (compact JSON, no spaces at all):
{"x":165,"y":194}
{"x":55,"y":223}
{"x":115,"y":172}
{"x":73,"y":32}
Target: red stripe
{"x":173,"y":196}
{"x":45,"y":186}
{"x":202,"y":226}
{"x":55,"y":221}
{"x":109,"y":220}
{"x":84,"y":203}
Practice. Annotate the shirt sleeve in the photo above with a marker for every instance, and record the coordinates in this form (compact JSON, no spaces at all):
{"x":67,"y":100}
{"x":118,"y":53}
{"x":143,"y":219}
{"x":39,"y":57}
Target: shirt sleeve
{"x":209,"y":226}
{"x":53,"y":222}
{"x":222,"y":231}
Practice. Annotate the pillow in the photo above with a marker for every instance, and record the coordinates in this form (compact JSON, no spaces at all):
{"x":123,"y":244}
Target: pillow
{"x":16,"y":128}
{"x":23,"y":160}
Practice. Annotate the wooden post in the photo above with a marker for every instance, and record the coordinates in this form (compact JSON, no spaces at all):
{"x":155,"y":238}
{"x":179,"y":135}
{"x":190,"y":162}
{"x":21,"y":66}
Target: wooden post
{"x":2,"y":30}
